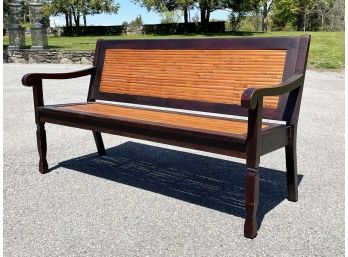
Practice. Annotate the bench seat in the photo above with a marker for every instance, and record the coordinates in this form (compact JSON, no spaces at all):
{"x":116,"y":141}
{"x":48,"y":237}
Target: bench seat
{"x":133,"y":121}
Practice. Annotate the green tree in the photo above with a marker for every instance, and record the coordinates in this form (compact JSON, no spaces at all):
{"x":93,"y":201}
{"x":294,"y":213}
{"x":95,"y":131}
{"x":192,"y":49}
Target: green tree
{"x":75,"y":9}
{"x":285,"y":14}
{"x":92,"y":7}
{"x":206,"y":8}
{"x":304,"y":15}
{"x":239,"y":10}
{"x":137,"y":22}
{"x":171,"y":16}
{"x":163,"y":6}
{"x":335,"y":16}
{"x":266,"y":7}
{"x":24,"y":11}
{"x":6,"y":12}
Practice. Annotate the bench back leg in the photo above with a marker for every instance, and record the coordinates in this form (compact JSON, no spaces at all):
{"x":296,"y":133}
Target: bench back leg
{"x":99,"y":142}
{"x":42,"y":147}
{"x":291,"y":168}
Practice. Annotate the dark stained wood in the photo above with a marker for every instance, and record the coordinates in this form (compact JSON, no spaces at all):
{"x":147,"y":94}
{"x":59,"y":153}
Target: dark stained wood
{"x":40,"y":127}
{"x":253,"y":153}
{"x":99,"y":143}
{"x":291,"y":167}
{"x":291,"y":117}
{"x":32,"y":79}
{"x":96,"y":134}
{"x":254,"y":136}
{"x":38,"y":99}
{"x":252,"y":181}
{"x":294,"y":100}
{"x":92,"y":83}
{"x":302,"y":55}
{"x":42,"y":147}
{"x":244,"y":43}
{"x":248,"y":139}
{"x":251,"y":96}
{"x":274,"y":139}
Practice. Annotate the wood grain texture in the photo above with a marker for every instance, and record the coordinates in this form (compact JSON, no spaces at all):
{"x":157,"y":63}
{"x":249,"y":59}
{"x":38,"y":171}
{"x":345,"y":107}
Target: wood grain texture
{"x":217,"y":76}
{"x":212,"y":124}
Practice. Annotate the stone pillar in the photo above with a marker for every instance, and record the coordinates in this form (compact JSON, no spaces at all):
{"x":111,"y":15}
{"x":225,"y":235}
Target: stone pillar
{"x":16,"y":36}
{"x":15,"y":32}
{"x":39,"y":38}
{"x":38,"y":31}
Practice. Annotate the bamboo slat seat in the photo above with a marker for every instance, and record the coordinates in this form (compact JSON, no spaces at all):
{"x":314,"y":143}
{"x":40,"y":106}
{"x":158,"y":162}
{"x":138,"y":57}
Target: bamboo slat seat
{"x":231,"y":129}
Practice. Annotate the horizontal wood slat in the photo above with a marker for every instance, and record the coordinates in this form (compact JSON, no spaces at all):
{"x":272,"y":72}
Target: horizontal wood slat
{"x":213,"y":124}
{"x":217,"y":76}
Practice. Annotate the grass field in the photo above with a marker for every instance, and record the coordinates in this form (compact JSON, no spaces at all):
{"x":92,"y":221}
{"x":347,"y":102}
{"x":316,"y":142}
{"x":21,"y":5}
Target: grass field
{"x":326,"y":51}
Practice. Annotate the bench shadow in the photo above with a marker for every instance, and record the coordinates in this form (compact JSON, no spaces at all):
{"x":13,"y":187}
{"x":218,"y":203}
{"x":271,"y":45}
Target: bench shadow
{"x":209,"y":182}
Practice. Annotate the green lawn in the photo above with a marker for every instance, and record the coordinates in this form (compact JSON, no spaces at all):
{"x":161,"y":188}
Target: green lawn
{"x":326,"y":51}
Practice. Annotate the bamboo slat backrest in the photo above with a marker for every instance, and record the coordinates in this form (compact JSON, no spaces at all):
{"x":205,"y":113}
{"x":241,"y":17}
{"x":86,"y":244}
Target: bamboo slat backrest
{"x":197,"y":74}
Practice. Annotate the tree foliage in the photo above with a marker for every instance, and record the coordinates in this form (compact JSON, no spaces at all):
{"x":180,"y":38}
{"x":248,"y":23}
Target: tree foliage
{"x":303,"y":15}
{"x":206,"y":7}
{"x":171,"y":16}
{"x":137,"y":22}
{"x":167,"y":6}
{"x":239,"y":10}
{"x":24,"y":11}
{"x":75,"y":9}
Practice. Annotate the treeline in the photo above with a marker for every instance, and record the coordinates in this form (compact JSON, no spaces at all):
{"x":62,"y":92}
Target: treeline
{"x":301,"y":15}
{"x":308,"y":15}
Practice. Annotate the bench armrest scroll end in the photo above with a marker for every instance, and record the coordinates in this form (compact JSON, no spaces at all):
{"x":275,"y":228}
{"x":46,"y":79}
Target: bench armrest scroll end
{"x":29,"y":80}
{"x":247,"y":100}
{"x":251,"y":96}
{"x":32,"y":79}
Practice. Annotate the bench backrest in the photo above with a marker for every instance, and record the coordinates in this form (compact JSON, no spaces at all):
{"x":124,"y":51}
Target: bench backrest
{"x":197,"y":74}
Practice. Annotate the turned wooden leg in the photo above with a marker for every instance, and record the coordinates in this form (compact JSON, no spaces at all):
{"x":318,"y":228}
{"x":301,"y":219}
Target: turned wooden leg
{"x":99,"y":142}
{"x":251,"y":202}
{"x":291,"y":172}
{"x":42,"y":147}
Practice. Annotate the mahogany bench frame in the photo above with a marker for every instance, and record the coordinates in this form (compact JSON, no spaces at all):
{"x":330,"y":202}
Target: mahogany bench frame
{"x":256,"y":143}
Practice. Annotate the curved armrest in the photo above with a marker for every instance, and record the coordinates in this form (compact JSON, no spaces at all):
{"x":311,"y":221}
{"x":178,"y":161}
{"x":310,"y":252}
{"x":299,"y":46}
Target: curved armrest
{"x":31,"y":79}
{"x":251,"y":96}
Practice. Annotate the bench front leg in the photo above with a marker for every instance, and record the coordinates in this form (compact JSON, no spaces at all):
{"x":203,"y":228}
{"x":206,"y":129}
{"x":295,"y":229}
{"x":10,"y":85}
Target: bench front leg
{"x":252,"y":179}
{"x":40,"y":127}
{"x":42,"y":147}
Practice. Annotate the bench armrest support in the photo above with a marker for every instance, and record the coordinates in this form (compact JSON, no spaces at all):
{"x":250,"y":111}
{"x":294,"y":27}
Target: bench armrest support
{"x":251,"y":96}
{"x":252,"y":99}
{"x":32,"y":79}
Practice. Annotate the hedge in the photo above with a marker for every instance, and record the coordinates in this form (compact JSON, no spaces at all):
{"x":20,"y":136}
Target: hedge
{"x":179,"y":28}
{"x":161,"y":29}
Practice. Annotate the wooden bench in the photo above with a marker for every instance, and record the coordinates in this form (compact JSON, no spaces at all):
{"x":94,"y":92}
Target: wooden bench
{"x":253,"y":78}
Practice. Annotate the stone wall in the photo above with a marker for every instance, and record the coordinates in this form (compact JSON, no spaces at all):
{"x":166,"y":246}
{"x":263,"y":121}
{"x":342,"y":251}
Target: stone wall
{"x":48,"y":56}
